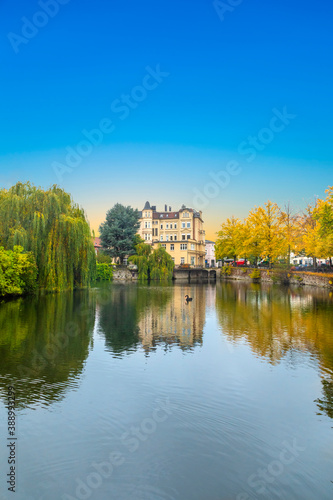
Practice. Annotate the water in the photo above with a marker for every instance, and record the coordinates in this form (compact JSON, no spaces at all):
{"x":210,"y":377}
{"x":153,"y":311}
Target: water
{"x":126,"y":392}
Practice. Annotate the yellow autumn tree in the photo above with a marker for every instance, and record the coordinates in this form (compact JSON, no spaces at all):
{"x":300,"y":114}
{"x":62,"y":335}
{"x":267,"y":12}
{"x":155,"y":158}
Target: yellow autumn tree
{"x":229,"y":243}
{"x":291,"y":230}
{"x":267,"y":231}
{"x":323,"y":214}
{"x":310,"y":233}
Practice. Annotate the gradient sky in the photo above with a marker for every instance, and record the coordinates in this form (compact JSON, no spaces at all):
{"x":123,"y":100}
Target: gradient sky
{"x":222,"y":80}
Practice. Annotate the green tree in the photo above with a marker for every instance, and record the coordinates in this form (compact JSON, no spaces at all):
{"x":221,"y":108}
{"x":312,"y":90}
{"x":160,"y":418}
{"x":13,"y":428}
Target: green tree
{"x":160,"y":265}
{"x":155,"y":265}
{"x":52,"y":227}
{"x":118,"y":231}
{"x":141,"y":260}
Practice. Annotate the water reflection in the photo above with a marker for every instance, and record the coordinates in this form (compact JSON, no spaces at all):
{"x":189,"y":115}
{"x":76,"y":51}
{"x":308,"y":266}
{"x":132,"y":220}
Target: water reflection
{"x":282,"y":322}
{"x":148,"y":316}
{"x":44,"y":342}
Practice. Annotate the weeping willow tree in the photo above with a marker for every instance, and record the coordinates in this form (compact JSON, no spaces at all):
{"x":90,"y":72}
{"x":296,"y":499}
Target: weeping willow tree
{"x":54,"y":229}
{"x":154,"y":265}
{"x":160,"y":265}
{"x":141,"y":260}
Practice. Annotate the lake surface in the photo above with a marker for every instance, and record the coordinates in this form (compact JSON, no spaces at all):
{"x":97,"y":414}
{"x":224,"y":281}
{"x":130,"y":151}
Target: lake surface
{"x":126,"y":392}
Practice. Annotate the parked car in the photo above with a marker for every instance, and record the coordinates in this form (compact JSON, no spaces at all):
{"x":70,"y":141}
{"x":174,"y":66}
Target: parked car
{"x":240,"y":262}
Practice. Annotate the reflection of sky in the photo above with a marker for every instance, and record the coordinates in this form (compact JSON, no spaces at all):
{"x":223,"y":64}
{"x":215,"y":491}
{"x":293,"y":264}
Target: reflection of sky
{"x":225,"y":79}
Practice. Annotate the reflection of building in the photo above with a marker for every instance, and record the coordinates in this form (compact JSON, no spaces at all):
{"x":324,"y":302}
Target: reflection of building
{"x":181,"y":233}
{"x":175,"y":322}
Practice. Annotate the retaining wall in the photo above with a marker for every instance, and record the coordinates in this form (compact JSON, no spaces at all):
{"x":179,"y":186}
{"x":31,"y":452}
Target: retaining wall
{"x":273,"y":276}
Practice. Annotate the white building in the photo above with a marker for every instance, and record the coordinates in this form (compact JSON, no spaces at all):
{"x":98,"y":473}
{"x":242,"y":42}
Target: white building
{"x":298,"y":260}
{"x":210,"y":260}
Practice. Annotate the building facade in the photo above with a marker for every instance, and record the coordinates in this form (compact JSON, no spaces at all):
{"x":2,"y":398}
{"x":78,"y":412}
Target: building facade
{"x":210,"y":259}
{"x":181,"y":233}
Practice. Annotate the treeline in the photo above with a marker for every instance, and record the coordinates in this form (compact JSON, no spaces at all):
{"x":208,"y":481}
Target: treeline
{"x":273,"y":233}
{"x":45,"y":237}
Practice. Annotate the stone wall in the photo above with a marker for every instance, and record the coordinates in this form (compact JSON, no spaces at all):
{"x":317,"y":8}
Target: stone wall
{"x":271,"y":276}
{"x":121,"y":273}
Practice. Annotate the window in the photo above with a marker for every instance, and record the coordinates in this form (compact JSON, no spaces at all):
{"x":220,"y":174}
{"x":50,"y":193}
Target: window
{"x":175,"y":226}
{"x":183,"y":237}
{"x":192,"y":261}
{"x":183,"y":246}
{"x":182,"y":260}
{"x":173,"y":259}
{"x":161,"y":237}
{"x":163,"y":245}
{"x":188,"y":224}
{"x":146,"y":224}
{"x":193,"y":246}
{"x":183,"y":224}
{"x":145,"y":214}
{"x":172,"y":246}
{"x":171,"y":237}
{"x":167,"y":237}
{"x":188,"y":236}
{"x":185,"y":214}
{"x":167,"y":226}
{"x":170,"y":226}
{"x":161,"y":226}
{"x":175,"y":237}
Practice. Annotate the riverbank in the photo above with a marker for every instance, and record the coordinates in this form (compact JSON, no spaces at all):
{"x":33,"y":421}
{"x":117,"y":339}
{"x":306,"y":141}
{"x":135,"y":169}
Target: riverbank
{"x":277,"y":276}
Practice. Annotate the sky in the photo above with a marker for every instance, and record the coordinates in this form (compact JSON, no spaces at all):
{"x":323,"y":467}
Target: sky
{"x":216,"y":105}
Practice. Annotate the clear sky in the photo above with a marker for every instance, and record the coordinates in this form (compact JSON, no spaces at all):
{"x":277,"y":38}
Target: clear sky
{"x":220,"y":108}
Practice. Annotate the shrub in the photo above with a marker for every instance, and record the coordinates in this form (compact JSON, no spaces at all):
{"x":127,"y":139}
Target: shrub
{"x":18,"y":272}
{"x":226,"y":270}
{"x":104,"y":272}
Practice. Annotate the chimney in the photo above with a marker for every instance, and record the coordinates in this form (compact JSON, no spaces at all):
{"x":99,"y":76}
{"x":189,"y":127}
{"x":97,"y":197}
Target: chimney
{"x":165,"y":208}
{"x":169,"y":209}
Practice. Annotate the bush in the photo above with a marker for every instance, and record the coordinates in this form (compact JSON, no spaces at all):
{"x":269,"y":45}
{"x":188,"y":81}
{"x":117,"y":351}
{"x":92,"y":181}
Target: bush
{"x":104,"y":272}
{"x":256,"y":274}
{"x":103,"y":258}
{"x":18,"y":272}
{"x":226,"y":270}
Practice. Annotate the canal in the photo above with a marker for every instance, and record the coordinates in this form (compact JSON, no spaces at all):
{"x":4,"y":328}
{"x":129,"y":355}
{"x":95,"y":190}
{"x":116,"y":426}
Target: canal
{"x":127,"y":392}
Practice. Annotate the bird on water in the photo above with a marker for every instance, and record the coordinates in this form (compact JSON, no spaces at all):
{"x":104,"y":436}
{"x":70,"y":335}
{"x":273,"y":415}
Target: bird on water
{"x":187,"y":298}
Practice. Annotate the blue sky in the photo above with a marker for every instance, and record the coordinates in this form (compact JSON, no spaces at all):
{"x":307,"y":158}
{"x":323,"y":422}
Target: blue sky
{"x":219,"y":82}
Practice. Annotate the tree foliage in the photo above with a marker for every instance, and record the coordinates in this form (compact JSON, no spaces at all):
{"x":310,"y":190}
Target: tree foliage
{"x":155,"y":265}
{"x":230,"y":239}
{"x":52,"y":227}
{"x":118,"y":231}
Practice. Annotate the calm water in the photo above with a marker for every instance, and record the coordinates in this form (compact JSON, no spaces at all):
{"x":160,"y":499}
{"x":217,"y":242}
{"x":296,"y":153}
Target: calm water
{"x":125,"y":392}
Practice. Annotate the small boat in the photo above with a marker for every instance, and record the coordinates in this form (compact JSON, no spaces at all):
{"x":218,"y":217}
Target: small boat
{"x":187,"y":298}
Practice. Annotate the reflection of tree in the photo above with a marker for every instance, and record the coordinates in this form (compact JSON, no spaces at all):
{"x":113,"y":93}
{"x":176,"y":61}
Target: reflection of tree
{"x":43,"y":343}
{"x":325,"y":405}
{"x":278,"y":321}
{"x":118,"y":317}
